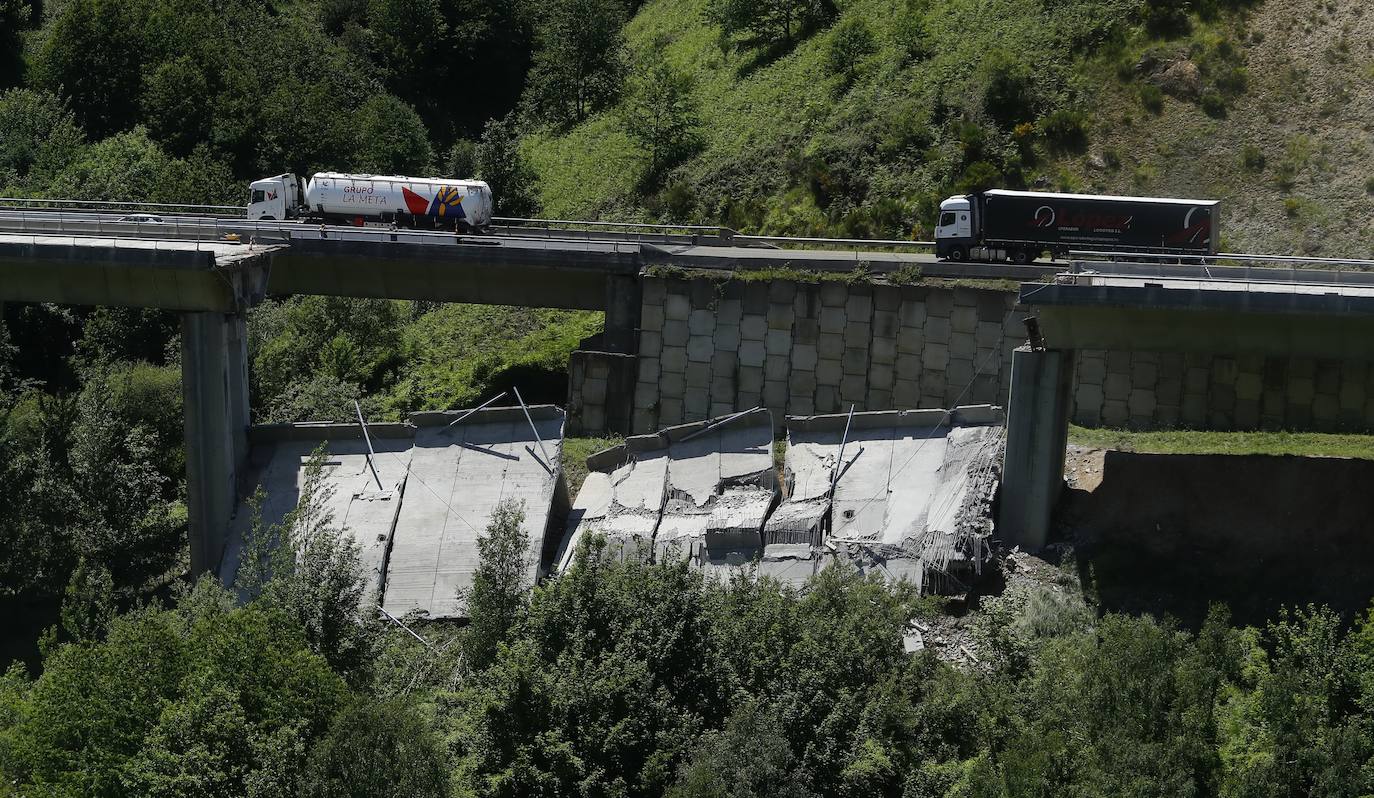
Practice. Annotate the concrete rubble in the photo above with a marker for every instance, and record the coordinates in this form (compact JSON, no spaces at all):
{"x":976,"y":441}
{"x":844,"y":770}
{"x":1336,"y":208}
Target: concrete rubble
{"x":697,"y":491}
{"x":439,"y":485}
{"x":912,"y":497}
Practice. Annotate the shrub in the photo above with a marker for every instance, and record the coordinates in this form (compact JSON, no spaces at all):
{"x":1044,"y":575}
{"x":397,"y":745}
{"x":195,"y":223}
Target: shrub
{"x":908,"y":128}
{"x":1066,"y":128}
{"x":1213,"y":104}
{"x":1166,"y":18}
{"x":912,"y":35}
{"x":850,"y":43}
{"x":378,"y":748}
{"x":1152,"y":98}
{"x":1286,"y":176}
{"x":1252,"y":158}
{"x":1008,"y":93}
{"x":1369,"y":185}
{"x":905,"y":275}
{"x":462,"y":159}
{"x":500,"y":163}
{"x":1292,"y":207}
{"x":979,"y":176}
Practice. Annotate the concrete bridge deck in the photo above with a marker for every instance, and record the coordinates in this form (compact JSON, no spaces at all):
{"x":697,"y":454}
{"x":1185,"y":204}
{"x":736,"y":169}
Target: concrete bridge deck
{"x":1102,"y":311}
{"x":171,"y":274}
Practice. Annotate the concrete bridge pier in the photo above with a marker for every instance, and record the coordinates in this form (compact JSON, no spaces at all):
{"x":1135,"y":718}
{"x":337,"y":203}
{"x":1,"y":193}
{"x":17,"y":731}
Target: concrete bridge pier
{"x":1037,"y":435}
{"x":214,"y":382}
{"x":624,"y":294}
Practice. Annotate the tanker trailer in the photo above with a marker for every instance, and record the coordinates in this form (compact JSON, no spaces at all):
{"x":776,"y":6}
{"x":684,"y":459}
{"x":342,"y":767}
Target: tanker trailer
{"x":336,"y":198}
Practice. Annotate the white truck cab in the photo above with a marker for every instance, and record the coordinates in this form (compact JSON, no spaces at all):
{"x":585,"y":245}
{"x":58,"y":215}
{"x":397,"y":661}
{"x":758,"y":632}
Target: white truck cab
{"x":274,"y":198}
{"x":954,"y":229}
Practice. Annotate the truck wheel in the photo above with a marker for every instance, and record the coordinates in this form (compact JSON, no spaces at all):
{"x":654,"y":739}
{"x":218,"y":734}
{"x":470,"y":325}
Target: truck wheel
{"x":955,"y":254}
{"x":1021,"y":257}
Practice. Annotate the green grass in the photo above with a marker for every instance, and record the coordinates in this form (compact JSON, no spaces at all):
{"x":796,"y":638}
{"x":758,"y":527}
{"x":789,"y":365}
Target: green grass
{"x":789,"y":274}
{"x":575,"y":453}
{"x":457,"y":355}
{"x":1305,"y":444}
{"x":790,"y":149}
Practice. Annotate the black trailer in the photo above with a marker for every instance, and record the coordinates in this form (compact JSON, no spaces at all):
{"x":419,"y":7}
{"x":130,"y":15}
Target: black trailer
{"x":1074,"y":221}
{"x":1021,"y":225}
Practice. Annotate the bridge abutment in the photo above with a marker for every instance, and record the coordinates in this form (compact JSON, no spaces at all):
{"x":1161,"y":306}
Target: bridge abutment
{"x":1037,"y":435}
{"x":214,"y":380}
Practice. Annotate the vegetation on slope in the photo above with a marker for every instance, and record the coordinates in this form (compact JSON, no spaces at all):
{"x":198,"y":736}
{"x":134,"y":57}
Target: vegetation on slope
{"x":623,"y":678}
{"x":862,"y":124}
{"x":635,"y":679}
{"x":1277,"y":442}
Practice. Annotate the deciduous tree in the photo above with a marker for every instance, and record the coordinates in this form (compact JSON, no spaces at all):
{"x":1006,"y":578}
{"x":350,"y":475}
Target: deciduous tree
{"x":579,"y":59}
{"x":661,"y":115}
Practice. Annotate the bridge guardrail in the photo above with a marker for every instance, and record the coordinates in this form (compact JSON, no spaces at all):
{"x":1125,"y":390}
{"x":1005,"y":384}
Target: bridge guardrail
{"x":892,"y":243}
{"x":96,"y":206}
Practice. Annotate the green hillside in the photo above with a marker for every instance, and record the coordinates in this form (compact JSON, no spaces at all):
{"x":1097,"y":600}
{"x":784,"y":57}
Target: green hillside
{"x":863,"y":125}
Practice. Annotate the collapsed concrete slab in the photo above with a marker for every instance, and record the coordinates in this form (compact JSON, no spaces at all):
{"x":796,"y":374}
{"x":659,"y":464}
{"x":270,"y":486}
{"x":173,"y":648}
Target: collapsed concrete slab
{"x":700,"y":491}
{"x":458,"y":474}
{"x":349,"y":494}
{"x":418,"y":531}
{"x":912,"y":492}
{"x":909,"y":496}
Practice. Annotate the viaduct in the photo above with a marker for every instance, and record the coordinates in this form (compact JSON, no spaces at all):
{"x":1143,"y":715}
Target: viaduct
{"x":688,"y":335}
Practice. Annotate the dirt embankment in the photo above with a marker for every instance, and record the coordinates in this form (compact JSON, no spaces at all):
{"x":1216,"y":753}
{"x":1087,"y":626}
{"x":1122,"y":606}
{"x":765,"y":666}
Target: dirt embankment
{"x":1173,"y":533}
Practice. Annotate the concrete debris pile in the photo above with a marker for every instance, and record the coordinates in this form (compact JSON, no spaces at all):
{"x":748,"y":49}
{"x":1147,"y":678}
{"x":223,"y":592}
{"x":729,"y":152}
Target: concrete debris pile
{"x":907,"y":493}
{"x":700,"y":491}
{"x":438,"y":487}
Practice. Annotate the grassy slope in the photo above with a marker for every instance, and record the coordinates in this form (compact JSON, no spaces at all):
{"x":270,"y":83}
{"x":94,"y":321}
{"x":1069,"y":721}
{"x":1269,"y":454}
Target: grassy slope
{"x":763,"y":120}
{"x":1309,"y":444}
{"x":575,"y":454}
{"x":1307,"y":109}
{"x":460,"y":353}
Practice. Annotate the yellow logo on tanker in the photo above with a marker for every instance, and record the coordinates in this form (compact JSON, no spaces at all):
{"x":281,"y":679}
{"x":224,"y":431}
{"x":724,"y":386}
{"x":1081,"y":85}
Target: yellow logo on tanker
{"x":448,"y":201}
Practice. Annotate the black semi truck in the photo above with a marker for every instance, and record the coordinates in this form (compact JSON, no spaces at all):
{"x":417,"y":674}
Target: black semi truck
{"x":1020,"y":226}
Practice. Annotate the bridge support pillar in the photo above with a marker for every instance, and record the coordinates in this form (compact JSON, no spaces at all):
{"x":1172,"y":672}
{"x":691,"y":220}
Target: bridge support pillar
{"x":623,"y":297}
{"x":1037,"y":435}
{"x":214,"y":383}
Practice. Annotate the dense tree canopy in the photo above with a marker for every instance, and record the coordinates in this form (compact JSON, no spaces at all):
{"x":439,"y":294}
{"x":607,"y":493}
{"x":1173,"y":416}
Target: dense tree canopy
{"x":616,"y":678}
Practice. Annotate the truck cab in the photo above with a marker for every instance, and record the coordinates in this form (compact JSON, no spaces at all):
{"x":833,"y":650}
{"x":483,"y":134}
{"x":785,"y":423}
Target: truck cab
{"x":274,"y":198}
{"x":954,"y":229}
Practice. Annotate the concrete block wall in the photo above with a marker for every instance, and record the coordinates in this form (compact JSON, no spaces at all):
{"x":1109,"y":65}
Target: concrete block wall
{"x":1167,"y":389}
{"x":599,"y":389}
{"x":708,"y":348}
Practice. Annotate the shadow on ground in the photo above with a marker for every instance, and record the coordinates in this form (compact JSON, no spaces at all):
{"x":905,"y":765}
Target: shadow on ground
{"x":1170,"y":534}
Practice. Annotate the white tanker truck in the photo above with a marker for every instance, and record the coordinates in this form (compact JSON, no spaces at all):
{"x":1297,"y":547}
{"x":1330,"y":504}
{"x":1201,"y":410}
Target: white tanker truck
{"x":331,"y":197}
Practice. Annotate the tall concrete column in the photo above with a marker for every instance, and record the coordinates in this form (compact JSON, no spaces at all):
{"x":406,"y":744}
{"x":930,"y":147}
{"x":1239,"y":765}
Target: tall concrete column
{"x":1037,"y":434}
{"x":214,"y":384}
{"x":623,"y":297}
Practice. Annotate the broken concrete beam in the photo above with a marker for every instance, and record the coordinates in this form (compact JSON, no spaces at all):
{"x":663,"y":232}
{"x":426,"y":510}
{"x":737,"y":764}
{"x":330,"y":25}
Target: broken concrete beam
{"x":796,"y":523}
{"x":737,"y":517}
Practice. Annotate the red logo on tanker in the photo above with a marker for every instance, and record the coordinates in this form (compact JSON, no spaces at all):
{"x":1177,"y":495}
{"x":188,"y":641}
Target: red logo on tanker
{"x":1046,"y":217}
{"x":415,"y":203}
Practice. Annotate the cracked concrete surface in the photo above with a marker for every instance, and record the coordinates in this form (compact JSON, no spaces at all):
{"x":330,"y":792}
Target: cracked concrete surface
{"x":912,"y":497}
{"x":418,"y":533}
